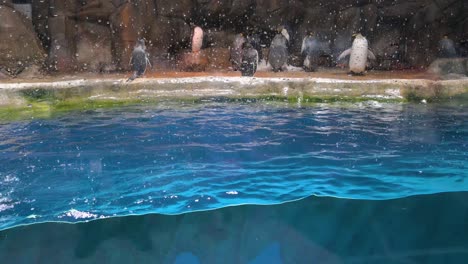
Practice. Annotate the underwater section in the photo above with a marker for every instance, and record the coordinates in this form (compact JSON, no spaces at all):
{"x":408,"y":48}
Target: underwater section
{"x":419,"y":229}
{"x":173,"y":158}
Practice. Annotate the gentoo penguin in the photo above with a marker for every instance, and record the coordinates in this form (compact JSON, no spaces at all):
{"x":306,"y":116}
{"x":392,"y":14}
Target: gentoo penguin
{"x":278,"y":54}
{"x":447,"y":48}
{"x":139,"y":60}
{"x":197,"y":39}
{"x":311,"y":51}
{"x":236,"y":51}
{"x":249,"y":60}
{"x":358,"y":55}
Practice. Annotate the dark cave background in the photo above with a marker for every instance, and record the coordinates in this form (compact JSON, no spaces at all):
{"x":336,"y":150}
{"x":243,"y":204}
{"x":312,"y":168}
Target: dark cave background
{"x":99,"y":35}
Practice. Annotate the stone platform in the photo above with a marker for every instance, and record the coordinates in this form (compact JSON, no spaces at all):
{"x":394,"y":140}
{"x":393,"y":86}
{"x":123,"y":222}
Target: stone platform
{"x":78,"y":91}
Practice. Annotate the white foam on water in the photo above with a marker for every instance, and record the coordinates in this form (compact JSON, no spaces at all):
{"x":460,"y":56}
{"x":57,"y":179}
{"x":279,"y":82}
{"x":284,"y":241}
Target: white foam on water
{"x":78,"y":214}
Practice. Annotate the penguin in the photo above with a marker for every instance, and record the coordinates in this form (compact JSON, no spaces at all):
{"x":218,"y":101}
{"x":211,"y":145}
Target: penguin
{"x":255,"y":41}
{"x":197,"y":39}
{"x":139,"y":60}
{"x":358,"y":55}
{"x":236,"y":51}
{"x":447,"y":48}
{"x":249,"y":60}
{"x":311,"y":51}
{"x":278,"y":54}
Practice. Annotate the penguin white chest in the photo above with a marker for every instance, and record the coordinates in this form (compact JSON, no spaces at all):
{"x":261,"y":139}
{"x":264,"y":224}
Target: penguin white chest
{"x":197,"y":39}
{"x":358,"y":56}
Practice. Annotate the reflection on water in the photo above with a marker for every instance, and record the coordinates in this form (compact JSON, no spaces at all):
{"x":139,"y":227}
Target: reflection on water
{"x":418,"y":229}
{"x":174,"y":158}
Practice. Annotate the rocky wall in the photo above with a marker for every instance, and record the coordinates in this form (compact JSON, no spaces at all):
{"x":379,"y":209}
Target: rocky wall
{"x":98,"y":35}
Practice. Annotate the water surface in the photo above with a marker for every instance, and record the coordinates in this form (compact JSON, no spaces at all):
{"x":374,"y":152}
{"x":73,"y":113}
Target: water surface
{"x":175,"y":158}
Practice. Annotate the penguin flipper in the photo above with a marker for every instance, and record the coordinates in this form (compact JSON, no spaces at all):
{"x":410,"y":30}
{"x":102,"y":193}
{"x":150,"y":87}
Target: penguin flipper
{"x":148,"y":62}
{"x":344,"y":54}
{"x":303,"y":47}
{"x":133,"y":77}
{"x":370,"y":55}
{"x":256,"y":62}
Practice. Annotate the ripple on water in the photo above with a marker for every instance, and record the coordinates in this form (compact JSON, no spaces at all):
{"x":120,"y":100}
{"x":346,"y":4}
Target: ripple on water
{"x":172,"y":159}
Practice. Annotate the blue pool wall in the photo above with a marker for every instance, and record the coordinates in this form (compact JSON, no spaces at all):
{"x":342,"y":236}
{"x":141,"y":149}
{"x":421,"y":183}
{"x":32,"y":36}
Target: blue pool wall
{"x":421,"y":229}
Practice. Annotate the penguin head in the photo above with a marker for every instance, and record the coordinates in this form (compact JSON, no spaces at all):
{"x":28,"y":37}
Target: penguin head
{"x":356,"y":36}
{"x":247,"y":45}
{"x":140,"y":43}
{"x":283,"y":31}
{"x":279,"y":29}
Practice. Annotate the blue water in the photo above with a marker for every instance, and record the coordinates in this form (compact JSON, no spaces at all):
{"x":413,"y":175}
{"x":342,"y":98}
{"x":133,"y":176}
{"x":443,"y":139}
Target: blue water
{"x":176,"y":158}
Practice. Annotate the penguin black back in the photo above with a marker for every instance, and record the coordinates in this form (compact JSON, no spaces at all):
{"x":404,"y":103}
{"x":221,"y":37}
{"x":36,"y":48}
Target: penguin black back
{"x":278,"y":54}
{"x":255,"y":41}
{"x":139,"y":60}
{"x":249,"y":60}
{"x":447,"y":48}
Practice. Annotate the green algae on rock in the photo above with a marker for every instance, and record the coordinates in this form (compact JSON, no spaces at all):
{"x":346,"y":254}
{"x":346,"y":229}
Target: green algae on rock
{"x":41,"y":99}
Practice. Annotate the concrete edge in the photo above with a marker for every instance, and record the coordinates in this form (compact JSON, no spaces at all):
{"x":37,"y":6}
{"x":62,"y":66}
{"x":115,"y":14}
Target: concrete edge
{"x":23,"y":94}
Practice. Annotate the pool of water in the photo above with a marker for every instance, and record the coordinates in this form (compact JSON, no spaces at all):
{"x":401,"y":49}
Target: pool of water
{"x":428,"y":229}
{"x":174,"y":158}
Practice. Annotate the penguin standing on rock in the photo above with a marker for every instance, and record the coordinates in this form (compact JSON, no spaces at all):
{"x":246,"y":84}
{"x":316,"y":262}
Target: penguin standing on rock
{"x":139,"y":60}
{"x":255,"y":40}
{"x":236,"y":51}
{"x":447,"y":48}
{"x":249,"y":60}
{"x":311,"y":51}
{"x":358,"y":55}
{"x":278,"y":54}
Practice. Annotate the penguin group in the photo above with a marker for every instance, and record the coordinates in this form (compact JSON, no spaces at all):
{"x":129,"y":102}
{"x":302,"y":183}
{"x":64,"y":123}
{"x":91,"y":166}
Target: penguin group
{"x":244,"y":54}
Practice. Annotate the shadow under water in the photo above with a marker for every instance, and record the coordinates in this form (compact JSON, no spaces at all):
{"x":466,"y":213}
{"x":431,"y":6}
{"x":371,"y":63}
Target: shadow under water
{"x":418,"y":229}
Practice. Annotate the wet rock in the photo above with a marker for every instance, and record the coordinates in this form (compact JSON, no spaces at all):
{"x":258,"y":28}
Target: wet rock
{"x":218,"y":58}
{"x":271,"y":14}
{"x":180,"y":9}
{"x":62,"y":48}
{"x":191,"y":61}
{"x":443,"y":67}
{"x":386,"y":47}
{"x":93,"y":49}
{"x":96,"y":11}
{"x":165,"y":24}
{"x":40,"y":15}
{"x":19,"y":46}
{"x":61,"y":27}
{"x":6,"y":3}
{"x":368,"y":20}
{"x":399,"y":9}
{"x":321,"y":25}
{"x":212,"y":8}
{"x":125,"y":28}
{"x":146,"y":11}
{"x":347,"y":22}
{"x":240,"y":8}
{"x":32,"y":72}
{"x":169,"y":34}
{"x":219,"y":38}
